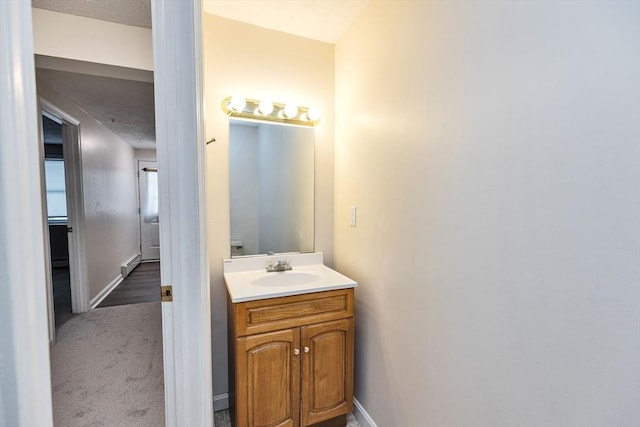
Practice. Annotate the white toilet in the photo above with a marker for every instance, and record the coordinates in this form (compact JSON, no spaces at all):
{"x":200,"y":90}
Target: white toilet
{"x":236,"y":248}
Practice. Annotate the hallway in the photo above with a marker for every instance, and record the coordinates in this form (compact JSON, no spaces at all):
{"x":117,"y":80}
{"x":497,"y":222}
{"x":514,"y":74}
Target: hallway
{"x":142,"y":285}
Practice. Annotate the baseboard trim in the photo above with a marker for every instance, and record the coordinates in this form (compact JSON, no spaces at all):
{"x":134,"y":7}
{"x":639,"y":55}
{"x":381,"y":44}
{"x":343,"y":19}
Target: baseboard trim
{"x":95,"y":301}
{"x":362,"y":415}
{"x":220,"y":402}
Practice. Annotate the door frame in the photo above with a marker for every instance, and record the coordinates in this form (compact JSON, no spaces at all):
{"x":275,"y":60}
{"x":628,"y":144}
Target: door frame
{"x":180,"y":141}
{"x":25,"y":375}
{"x":25,"y":386}
{"x":45,"y":236}
{"x":72,"y":154}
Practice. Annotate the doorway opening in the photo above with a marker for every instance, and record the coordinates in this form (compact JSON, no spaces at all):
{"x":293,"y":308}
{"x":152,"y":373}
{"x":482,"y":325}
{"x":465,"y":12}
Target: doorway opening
{"x":148,"y":202}
{"x":104,"y":349}
{"x":56,"y":197}
{"x":64,"y":216}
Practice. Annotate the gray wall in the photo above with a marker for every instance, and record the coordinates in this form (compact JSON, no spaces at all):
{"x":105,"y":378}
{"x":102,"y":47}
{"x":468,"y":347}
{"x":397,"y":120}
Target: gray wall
{"x":493,"y":151}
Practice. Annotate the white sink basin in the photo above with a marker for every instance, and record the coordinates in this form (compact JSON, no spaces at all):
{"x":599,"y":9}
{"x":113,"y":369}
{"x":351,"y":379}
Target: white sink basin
{"x":287,"y":278}
{"x":248,"y":280}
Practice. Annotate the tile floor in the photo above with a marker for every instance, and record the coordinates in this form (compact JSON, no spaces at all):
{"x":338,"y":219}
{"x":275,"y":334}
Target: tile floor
{"x":222,"y":419}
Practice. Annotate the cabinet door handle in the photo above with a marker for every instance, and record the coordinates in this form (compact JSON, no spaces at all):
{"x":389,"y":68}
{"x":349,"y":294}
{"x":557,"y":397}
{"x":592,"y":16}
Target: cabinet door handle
{"x":306,"y":349}
{"x":296,"y":351}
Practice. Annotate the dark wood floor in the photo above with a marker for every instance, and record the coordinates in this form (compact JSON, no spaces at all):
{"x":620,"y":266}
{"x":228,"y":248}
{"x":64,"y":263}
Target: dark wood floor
{"x":142,"y":285}
{"x":61,"y":295}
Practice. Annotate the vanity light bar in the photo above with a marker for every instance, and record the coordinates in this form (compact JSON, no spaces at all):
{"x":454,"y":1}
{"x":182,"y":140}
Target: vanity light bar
{"x":255,"y":109}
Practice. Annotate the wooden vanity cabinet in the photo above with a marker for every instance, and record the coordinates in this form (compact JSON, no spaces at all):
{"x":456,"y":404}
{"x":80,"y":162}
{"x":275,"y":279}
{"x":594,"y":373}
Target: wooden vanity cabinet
{"x":268,"y":379}
{"x":291,"y":360}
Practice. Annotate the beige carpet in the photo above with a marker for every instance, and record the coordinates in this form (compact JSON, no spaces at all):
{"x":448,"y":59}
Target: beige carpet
{"x":106,"y":368}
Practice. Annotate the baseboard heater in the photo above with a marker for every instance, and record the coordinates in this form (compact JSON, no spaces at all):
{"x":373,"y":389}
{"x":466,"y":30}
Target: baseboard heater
{"x":127,"y":268}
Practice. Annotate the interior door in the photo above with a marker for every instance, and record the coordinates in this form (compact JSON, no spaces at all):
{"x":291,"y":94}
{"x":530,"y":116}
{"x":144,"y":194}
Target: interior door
{"x":45,"y":234}
{"x":149,"y":219}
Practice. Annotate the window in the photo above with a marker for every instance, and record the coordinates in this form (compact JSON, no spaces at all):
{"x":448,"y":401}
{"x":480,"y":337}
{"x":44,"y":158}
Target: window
{"x":151,"y":205}
{"x":56,"y":196}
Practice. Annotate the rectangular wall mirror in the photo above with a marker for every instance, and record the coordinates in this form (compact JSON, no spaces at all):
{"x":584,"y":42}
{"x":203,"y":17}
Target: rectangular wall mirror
{"x":271,"y":168}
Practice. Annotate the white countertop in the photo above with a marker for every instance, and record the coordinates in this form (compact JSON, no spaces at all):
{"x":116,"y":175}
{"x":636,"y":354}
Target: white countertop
{"x":247,"y":279}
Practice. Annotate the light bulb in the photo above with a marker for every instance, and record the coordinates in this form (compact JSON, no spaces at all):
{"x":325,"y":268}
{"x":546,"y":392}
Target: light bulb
{"x":237,"y":103}
{"x":265,"y":107}
{"x":313,"y":114}
{"x":290,"y":111}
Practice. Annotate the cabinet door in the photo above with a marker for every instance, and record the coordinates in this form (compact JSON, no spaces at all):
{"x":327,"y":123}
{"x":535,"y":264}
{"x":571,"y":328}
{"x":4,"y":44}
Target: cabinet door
{"x":268,"y":380}
{"x":327,"y":370}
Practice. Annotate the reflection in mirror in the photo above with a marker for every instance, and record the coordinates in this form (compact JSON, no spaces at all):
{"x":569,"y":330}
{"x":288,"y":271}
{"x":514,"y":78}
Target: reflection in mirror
{"x":271,"y":170}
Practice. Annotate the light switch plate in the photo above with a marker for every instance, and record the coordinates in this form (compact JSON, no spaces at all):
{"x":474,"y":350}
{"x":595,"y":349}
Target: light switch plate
{"x":354,"y":216}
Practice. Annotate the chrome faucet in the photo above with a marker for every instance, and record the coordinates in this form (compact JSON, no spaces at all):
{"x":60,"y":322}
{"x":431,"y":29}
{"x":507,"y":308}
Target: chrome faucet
{"x":282,"y":265}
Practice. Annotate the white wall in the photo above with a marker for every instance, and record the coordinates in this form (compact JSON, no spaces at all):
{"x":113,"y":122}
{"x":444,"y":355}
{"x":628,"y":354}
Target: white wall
{"x":492,"y":150}
{"x":85,"y":39}
{"x":144,"y":154}
{"x":109,"y":187}
{"x":255,"y":62}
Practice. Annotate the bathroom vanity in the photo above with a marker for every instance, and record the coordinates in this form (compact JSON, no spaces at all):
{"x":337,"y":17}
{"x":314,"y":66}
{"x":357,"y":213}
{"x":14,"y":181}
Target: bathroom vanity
{"x":291,"y":336}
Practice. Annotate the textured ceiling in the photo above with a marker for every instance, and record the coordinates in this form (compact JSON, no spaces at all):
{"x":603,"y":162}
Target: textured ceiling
{"x":324,"y":20}
{"x":125,"y":107}
{"x":127,"y":12}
